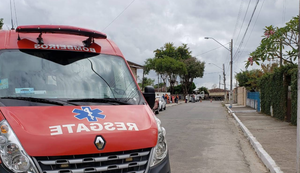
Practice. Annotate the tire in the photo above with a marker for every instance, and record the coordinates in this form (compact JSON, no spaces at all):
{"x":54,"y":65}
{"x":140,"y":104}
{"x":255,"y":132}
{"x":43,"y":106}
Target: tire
{"x":157,"y":111}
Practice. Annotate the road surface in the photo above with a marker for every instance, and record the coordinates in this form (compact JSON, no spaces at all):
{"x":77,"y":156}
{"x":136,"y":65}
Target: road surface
{"x":203,"y":138}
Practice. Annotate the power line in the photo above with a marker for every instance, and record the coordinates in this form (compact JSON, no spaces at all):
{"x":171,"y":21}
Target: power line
{"x":213,"y":72}
{"x":243,"y":20}
{"x":241,"y":43}
{"x":119,"y":15}
{"x":254,"y":25}
{"x":283,"y":12}
{"x":211,"y":50}
{"x":238,"y":17}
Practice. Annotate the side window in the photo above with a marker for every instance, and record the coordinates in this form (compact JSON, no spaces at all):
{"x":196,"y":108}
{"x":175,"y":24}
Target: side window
{"x":125,"y":85}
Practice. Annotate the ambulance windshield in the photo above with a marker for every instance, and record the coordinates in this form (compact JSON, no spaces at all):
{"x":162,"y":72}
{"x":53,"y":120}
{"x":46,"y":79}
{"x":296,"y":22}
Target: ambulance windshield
{"x":66,"y":76}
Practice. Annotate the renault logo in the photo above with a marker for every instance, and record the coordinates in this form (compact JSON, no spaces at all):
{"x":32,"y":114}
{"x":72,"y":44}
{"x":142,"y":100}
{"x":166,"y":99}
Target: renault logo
{"x":99,"y":142}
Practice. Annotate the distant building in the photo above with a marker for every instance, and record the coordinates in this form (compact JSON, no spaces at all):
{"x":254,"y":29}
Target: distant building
{"x":217,"y":94}
{"x":134,"y":67}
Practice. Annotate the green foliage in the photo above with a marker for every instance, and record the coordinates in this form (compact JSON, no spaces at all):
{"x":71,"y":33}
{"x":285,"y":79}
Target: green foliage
{"x":195,"y":69}
{"x":179,"y":89}
{"x":1,"y":23}
{"x":183,"y":52}
{"x":160,"y":85}
{"x":249,"y":79}
{"x":147,"y":82}
{"x":294,"y":87}
{"x":274,"y":87}
{"x":274,"y":40}
{"x":192,"y":88}
{"x":203,"y":89}
{"x":170,"y":62}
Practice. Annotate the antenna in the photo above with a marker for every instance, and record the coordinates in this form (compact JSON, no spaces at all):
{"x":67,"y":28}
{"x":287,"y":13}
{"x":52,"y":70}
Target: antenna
{"x":12,"y":23}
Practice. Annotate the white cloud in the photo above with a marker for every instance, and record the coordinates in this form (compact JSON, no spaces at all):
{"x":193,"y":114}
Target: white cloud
{"x":147,"y":25}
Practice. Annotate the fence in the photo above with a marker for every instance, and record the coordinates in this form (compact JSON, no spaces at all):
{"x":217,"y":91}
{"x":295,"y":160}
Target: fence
{"x":253,"y":100}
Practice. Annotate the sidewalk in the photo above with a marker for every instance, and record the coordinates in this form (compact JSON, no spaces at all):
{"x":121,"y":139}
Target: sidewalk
{"x":173,"y":104}
{"x":273,"y":140}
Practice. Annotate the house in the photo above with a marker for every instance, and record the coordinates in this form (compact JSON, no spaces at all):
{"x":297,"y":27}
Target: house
{"x":134,"y":67}
{"x":217,"y":93}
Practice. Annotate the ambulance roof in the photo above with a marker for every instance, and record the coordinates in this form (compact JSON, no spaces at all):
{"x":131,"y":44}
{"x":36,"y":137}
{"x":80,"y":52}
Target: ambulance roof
{"x":58,"y":37}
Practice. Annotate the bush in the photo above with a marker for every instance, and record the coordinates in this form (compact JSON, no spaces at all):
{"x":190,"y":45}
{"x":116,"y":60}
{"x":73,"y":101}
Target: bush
{"x":274,"y":90}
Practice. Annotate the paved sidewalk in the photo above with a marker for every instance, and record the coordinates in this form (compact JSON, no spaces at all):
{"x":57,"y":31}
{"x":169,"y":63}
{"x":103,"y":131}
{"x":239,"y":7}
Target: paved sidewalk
{"x":274,"y":140}
{"x":174,"y":104}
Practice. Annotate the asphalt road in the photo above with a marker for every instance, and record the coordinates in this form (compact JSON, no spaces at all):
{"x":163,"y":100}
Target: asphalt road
{"x":203,"y":138}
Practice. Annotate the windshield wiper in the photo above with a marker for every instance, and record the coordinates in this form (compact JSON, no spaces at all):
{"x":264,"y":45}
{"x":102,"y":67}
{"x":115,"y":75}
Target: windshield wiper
{"x":33,"y":99}
{"x":98,"y":100}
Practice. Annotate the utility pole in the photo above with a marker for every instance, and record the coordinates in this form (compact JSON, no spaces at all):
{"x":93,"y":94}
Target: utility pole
{"x":298,"y":101}
{"x":225,"y":92}
{"x":231,"y":63}
{"x":219,"y":81}
{"x":143,"y":79}
{"x":158,"y":83}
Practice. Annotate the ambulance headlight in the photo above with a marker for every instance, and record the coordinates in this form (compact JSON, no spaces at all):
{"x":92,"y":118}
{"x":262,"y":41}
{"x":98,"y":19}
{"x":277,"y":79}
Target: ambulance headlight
{"x":161,"y":149}
{"x":12,"y":154}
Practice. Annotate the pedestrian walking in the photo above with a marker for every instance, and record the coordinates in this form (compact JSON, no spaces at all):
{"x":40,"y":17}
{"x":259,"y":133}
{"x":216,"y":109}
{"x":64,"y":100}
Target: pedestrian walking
{"x":167,"y":96}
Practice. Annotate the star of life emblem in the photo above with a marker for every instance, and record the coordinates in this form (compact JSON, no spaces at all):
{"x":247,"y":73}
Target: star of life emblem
{"x":87,"y":112}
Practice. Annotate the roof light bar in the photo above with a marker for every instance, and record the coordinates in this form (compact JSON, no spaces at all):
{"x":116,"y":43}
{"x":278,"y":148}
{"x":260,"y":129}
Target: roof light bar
{"x":60,"y":29}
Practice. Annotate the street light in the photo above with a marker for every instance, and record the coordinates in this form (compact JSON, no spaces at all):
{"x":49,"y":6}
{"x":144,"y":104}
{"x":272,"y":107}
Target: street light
{"x":231,"y":63}
{"x":225,"y":95}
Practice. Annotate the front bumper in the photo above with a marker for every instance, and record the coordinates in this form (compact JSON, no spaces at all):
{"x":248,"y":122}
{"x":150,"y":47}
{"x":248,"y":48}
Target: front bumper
{"x":162,"y":167}
{"x":4,"y":170}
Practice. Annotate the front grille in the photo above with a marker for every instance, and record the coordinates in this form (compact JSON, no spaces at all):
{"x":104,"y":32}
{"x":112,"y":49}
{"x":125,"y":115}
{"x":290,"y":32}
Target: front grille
{"x":133,"y":161}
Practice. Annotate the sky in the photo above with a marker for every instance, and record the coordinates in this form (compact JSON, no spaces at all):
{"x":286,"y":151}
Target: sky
{"x":139,"y":27}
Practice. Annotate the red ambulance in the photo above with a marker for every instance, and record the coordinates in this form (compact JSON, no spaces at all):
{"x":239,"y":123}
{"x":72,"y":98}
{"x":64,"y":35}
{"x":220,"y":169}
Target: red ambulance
{"x":69,"y":104}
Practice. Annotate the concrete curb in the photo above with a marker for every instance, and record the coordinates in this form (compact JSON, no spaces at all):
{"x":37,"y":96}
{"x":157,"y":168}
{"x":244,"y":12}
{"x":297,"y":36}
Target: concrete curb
{"x":174,"y":104}
{"x":262,"y":154}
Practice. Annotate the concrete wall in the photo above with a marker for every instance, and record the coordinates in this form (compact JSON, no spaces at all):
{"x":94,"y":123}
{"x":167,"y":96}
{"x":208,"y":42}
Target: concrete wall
{"x":241,"y":96}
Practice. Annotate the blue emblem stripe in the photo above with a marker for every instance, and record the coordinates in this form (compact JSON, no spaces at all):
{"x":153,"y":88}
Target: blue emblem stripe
{"x":87,"y":112}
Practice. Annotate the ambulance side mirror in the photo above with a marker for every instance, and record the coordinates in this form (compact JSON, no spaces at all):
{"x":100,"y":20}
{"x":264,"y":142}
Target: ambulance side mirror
{"x":149,"y":95}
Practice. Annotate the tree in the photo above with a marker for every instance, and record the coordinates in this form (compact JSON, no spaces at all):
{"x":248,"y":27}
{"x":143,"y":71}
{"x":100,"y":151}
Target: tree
{"x":192,"y":88}
{"x":1,"y":23}
{"x":171,"y":62}
{"x":166,"y":64}
{"x":147,"y":82}
{"x":160,"y":85}
{"x":179,"y":89}
{"x":195,"y":69}
{"x":269,"y":68}
{"x":249,"y":79}
{"x":274,"y":41}
{"x":203,"y":89}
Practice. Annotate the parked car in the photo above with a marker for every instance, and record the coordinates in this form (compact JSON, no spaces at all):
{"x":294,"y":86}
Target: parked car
{"x":197,"y":97}
{"x":193,"y":98}
{"x":156,"y":106}
{"x":162,"y":105}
